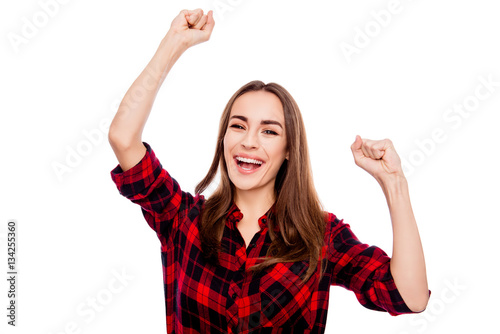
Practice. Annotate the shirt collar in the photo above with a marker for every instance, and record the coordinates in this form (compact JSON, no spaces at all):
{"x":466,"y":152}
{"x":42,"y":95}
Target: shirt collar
{"x":234,"y":215}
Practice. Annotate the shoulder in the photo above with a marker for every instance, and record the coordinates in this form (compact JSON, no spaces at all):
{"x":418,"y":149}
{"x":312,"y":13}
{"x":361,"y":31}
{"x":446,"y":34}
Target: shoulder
{"x":334,"y":224}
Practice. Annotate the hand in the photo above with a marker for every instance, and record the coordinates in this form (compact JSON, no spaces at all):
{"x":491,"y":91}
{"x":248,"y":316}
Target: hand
{"x":377,"y":157}
{"x":192,"y":27}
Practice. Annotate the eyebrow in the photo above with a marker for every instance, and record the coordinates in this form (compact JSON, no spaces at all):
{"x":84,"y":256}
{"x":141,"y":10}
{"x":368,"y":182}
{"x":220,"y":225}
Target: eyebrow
{"x":265,"y":121}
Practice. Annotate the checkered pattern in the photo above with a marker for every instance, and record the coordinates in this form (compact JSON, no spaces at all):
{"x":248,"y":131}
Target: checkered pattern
{"x":201,"y":298}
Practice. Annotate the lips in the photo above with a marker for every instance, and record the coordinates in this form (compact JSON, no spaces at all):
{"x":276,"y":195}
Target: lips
{"x":247,"y":164}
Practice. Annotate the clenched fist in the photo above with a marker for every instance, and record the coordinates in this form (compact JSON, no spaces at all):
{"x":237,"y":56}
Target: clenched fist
{"x":377,"y":157}
{"x":192,"y":27}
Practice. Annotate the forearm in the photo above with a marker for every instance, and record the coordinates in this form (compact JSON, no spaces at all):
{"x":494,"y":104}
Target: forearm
{"x":407,"y":263}
{"x":128,"y":124}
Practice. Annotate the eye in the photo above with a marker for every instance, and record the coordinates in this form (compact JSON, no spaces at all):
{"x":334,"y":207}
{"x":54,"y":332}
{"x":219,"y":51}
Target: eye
{"x":270,"y":132}
{"x":237,"y":126}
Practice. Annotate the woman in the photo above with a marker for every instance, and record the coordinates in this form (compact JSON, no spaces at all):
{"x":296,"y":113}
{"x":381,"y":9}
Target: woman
{"x":260,"y":254}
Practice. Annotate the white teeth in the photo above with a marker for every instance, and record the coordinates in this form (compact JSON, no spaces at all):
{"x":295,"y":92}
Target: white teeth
{"x":250,"y":161}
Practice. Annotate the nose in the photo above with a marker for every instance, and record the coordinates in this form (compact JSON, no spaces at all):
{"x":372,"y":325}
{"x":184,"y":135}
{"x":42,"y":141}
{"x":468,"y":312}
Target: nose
{"x":250,"y":140}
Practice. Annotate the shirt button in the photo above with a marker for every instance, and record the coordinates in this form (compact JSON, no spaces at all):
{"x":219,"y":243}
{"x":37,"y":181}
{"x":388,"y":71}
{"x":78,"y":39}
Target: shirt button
{"x":253,"y":245}
{"x":264,"y":220}
{"x":234,"y":296}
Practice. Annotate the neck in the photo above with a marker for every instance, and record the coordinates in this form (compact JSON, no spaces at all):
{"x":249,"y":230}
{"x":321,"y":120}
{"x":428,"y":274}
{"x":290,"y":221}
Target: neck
{"x":254,"y":203}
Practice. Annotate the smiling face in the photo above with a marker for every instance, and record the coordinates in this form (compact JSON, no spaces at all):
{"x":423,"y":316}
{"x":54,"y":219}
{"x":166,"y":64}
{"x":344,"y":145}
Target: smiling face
{"x":255,"y":143}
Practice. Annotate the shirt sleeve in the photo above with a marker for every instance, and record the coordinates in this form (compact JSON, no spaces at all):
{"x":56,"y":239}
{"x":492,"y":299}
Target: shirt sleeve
{"x":363,"y":269}
{"x":159,"y":195}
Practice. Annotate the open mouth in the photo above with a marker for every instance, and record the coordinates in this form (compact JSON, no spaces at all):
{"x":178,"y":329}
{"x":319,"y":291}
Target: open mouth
{"x":248,"y":164}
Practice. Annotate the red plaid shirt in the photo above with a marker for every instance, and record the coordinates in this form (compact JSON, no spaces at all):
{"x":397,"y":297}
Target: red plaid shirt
{"x":201,"y":298}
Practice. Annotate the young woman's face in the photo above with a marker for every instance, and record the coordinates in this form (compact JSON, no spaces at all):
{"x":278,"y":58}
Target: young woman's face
{"x":255,"y":141}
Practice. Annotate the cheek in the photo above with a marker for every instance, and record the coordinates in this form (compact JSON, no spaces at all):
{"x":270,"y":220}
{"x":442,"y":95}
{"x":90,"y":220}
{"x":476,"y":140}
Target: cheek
{"x":229,"y":141}
{"x":276,"y":150}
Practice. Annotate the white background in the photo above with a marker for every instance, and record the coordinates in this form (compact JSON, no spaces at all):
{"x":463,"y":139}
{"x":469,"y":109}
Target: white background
{"x":75,"y":232}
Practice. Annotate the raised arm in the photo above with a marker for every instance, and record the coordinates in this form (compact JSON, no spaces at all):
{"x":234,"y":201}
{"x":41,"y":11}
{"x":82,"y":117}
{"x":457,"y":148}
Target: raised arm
{"x":379,"y":158}
{"x":189,"y":28}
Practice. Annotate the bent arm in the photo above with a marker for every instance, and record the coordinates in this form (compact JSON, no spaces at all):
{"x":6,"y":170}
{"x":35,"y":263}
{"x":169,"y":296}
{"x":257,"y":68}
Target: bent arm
{"x":125,"y":131}
{"x":379,"y":158}
{"x":407,"y":263}
{"x":188,"y":28}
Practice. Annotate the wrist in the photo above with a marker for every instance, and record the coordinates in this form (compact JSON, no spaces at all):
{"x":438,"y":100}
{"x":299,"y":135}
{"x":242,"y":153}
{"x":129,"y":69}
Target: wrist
{"x":388,"y":179}
{"x":174,"y":43}
{"x":167,"y":54}
{"x":393,"y":186}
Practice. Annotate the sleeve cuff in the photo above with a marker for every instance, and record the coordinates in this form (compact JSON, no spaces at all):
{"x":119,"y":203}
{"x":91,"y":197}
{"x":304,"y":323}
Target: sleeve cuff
{"x":393,"y":302}
{"x":133,"y":181}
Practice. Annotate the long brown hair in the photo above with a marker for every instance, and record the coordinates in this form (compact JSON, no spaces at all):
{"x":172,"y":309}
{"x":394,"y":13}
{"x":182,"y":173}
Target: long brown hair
{"x":298,"y":211}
